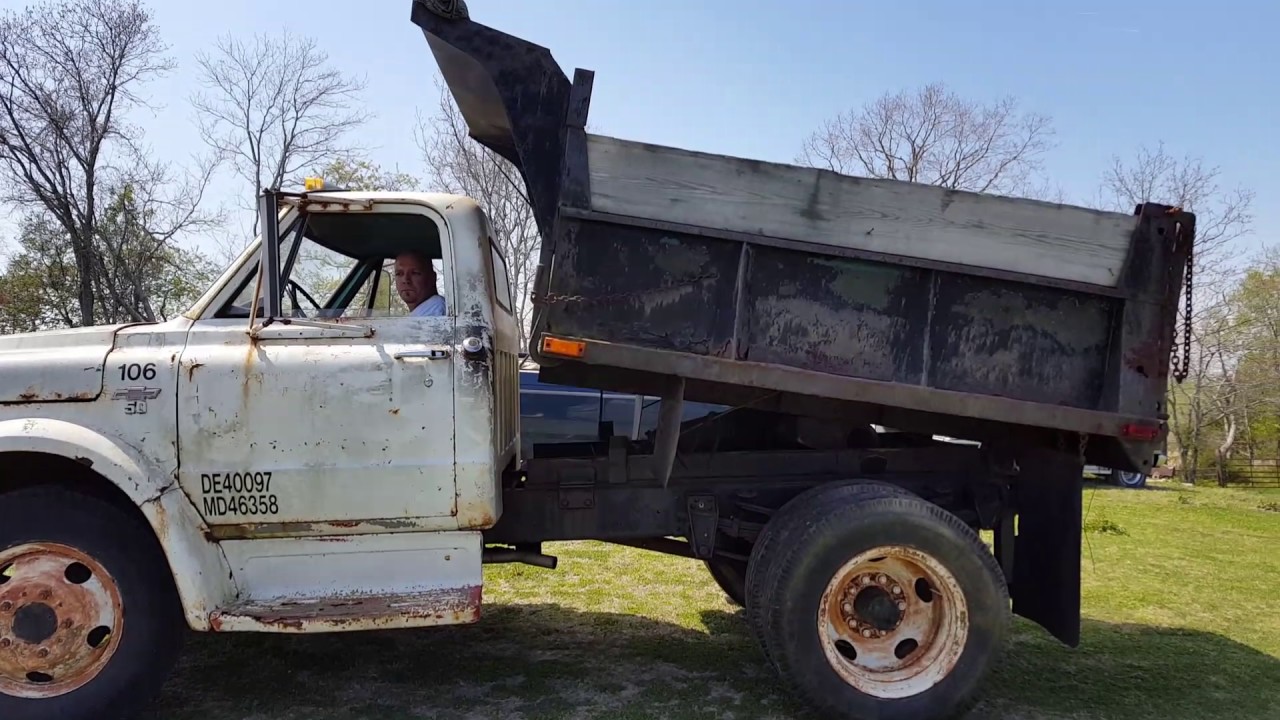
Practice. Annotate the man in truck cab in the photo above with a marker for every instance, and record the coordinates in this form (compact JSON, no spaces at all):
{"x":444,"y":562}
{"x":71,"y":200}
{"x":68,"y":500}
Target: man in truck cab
{"x":416,"y":283}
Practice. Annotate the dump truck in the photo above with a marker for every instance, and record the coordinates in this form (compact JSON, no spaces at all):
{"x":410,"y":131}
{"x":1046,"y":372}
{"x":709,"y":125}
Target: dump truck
{"x":299,"y":453}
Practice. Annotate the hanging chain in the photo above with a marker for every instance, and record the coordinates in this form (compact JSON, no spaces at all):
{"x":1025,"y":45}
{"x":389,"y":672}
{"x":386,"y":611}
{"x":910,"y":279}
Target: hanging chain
{"x":1181,"y":366}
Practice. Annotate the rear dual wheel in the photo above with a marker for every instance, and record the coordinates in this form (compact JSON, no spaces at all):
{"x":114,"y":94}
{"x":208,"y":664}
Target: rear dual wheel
{"x":871,"y":602}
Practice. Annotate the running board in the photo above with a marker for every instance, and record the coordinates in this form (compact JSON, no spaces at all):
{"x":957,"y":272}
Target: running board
{"x":352,"y":582}
{"x":453,"y":606}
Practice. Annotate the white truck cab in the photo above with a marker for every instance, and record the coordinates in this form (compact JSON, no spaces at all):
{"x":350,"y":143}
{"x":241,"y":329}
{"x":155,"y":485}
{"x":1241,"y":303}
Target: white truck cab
{"x":295,"y":452}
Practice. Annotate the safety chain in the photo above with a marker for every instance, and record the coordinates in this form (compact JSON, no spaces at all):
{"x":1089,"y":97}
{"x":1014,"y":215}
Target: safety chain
{"x":1181,"y":366}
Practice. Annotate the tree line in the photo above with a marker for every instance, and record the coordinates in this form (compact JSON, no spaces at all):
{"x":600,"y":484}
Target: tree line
{"x":105,"y":229}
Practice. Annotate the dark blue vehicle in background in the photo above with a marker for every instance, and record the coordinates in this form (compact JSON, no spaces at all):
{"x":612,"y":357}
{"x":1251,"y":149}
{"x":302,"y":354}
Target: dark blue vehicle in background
{"x":562,"y":414}
{"x":568,"y":416}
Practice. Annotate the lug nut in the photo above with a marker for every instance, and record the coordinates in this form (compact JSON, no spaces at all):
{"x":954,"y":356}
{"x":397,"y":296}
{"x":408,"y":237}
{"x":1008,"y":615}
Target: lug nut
{"x":897,"y":589}
{"x":6,"y":606}
{"x":44,"y":652}
{"x":882,"y":578}
{"x":5,"y":642}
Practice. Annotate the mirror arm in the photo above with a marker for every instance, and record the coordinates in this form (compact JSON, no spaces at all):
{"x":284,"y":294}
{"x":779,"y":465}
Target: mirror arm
{"x":268,"y":214}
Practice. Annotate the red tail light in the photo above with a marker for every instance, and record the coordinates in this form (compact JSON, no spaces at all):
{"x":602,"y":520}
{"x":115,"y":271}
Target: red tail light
{"x":1134,"y":431}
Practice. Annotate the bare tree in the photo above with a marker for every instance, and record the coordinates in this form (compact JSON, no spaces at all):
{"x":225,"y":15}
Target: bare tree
{"x":934,"y":136}
{"x":1210,"y":396}
{"x":274,"y":106}
{"x":458,"y":164}
{"x":1222,"y":215}
{"x":72,"y":70}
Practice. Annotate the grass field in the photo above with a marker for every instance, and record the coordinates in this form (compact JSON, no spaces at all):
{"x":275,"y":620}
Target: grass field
{"x":1182,"y":620}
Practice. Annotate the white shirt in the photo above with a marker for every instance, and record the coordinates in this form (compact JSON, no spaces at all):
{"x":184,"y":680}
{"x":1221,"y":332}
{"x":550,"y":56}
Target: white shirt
{"x":434,"y":305}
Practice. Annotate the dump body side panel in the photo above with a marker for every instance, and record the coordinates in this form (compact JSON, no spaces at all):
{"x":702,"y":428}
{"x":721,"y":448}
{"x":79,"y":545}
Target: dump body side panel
{"x":730,"y":308}
{"x":840,"y":316}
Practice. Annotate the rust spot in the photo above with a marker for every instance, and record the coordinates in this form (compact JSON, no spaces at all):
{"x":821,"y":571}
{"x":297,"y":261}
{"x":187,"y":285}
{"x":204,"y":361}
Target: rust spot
{"x":247,"y":530}
{"x":475,"y":516}
{"x":334,"y":539}
{"x":1147,"y":359}
{"x":161,"y":523}
{"x":395,"y":411}
{"x":28,"y":396}
{"x":450,"y":606}
{"x":249,"y":357}
{"x":191,"y":370}
{"x":392,"y":524}
{"x":344,"y":523}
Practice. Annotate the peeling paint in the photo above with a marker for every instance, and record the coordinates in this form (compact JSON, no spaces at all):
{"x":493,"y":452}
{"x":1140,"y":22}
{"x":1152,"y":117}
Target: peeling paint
{"x":354,"y":613}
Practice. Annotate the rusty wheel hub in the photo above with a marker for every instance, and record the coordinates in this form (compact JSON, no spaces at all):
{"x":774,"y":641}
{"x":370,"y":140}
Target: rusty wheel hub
{"x":893,"y":622}
{"x":60,"y":614}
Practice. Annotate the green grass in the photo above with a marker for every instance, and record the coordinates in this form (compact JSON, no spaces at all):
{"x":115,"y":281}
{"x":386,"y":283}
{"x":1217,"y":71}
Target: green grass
{"x":1182,"y":620}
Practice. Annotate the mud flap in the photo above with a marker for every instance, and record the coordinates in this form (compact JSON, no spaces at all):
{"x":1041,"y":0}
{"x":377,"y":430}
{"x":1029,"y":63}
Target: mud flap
{"x":1046,"y":555}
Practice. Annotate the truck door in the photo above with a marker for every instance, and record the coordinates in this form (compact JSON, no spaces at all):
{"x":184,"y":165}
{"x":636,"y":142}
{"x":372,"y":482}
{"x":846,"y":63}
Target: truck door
{"x":340,"y":413}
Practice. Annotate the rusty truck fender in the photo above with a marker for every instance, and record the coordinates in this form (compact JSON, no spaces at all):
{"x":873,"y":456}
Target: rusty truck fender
{"x":199,"y":569}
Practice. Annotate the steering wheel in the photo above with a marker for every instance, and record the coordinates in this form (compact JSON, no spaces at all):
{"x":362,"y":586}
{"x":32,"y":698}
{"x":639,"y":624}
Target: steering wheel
{"x":294,"y":288}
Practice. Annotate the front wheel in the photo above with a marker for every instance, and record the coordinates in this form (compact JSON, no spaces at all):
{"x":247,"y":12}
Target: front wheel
{"x":882,"y":607}
{"x":90,"y":623}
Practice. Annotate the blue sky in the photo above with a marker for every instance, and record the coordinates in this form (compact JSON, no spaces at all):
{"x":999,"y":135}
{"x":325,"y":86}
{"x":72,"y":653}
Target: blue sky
{"x":753,"y":78}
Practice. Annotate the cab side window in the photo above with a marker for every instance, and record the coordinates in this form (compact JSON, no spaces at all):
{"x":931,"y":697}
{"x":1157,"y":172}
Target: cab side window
{"x":359,"y":266}
{"x":313,"y":276}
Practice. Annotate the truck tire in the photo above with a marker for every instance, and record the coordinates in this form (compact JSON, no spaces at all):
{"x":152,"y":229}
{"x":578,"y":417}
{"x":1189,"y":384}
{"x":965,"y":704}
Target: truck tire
{"x":90,"y":621}
{"x":761,"y":553}
{"x":1132,"y":480}
{"x":731,"y":576}
{"x":883,"y":606}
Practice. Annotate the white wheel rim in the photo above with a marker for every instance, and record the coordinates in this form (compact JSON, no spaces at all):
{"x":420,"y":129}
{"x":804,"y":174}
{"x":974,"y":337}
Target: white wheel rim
{"x":893,"y":622}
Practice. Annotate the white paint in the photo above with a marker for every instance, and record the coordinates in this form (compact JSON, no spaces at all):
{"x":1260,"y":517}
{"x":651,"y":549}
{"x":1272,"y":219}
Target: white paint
{"x":885,"y":216}
{"x":57,"y":365}
{"x":370,"y":426}
{"x":272,"y":571}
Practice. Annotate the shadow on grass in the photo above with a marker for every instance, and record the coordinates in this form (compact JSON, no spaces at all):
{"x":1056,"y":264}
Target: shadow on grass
{"x":1126,"y":672}
{"x":547,"y":661}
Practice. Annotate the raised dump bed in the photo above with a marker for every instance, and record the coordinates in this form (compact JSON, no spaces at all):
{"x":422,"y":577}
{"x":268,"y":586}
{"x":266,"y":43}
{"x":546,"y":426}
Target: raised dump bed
{"x":733,"y":280}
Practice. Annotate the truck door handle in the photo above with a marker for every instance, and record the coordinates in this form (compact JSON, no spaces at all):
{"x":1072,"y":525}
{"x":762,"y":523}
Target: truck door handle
{"x":433,"y":354}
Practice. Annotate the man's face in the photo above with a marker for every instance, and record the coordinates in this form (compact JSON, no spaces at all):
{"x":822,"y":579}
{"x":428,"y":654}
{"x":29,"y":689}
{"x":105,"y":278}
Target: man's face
{"x":415,"y":280}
